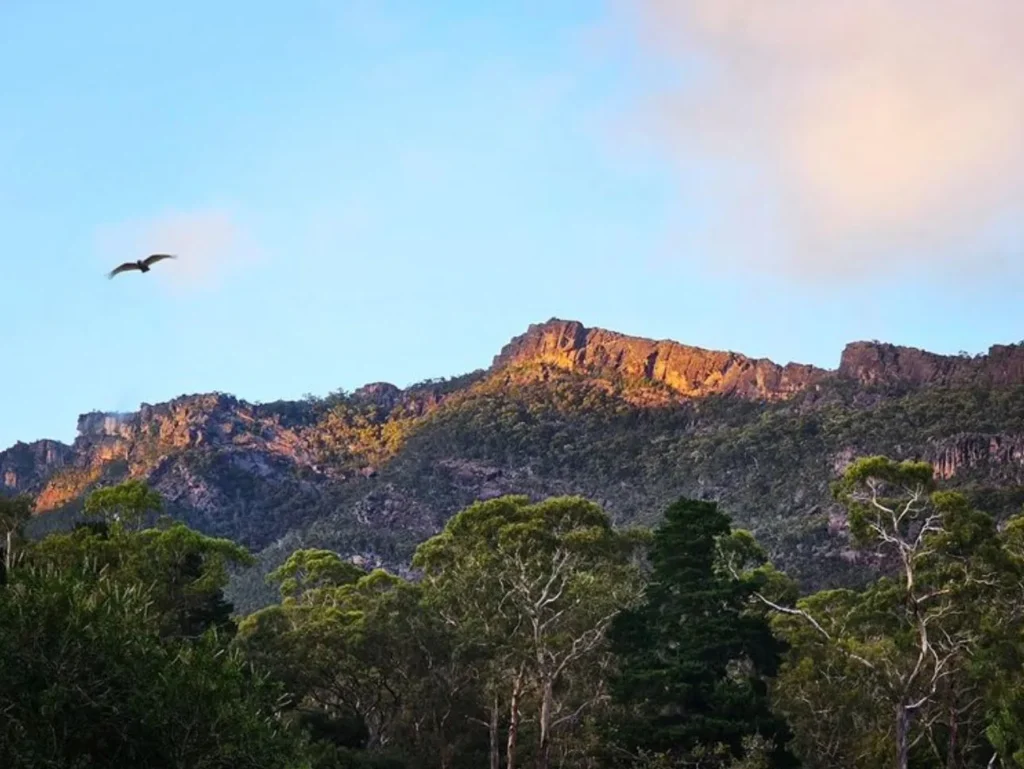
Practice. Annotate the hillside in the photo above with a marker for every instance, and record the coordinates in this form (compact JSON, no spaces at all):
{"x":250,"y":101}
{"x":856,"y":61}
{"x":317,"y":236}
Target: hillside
{"x":632,"y":423}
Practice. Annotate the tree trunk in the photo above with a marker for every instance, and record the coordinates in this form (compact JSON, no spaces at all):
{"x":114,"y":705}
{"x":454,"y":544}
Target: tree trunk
{"x":493,"y":733}
{"x":954,"y":729}
{"x":544,"y":740}
{"x":375,"y":724}
{"x":513,"y":720}
{"x":902,"y":736}
{"x":8,"y":556}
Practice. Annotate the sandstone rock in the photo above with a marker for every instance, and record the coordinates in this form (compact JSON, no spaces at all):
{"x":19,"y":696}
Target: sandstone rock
{"x":381,"y":393}
{"x":25,"y":465}
{"x":875,"y":363}
{"x":964,"y":453}
{"x":144,"y":440}
{"x":689,"y":371}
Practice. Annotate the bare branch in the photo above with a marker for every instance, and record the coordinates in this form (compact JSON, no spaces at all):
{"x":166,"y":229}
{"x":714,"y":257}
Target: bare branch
{"x":814,"y":623}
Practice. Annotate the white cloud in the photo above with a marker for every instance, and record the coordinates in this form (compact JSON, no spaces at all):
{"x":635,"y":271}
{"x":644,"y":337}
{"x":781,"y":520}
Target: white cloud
{"x":209,"y":244}
{"x":832,"y":137}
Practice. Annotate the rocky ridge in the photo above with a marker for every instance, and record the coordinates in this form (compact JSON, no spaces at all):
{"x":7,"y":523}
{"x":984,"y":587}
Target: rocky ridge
{"x":691,"y":372}
{"x":697,"y":372}
{"x":628,"y":421}
{"x":875,"y":363}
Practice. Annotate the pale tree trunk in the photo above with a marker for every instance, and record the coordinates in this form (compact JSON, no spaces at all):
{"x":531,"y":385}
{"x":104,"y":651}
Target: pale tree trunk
{"x":513,"y":720}
{"x":902,"y":736}
{"x":376,"y":725}
{"x":493,"y":733}
{"x":8,"y":553}
{"x":544,"y":741}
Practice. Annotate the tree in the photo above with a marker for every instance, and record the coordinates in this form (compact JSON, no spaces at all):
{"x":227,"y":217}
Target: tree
{"x":536,"y":586}
{"x":185,"y":571}
{"x":189,"y":572}
{"x":692,"y":658}
{"x":363,"y":660}
{"x":456,"y":564}
{"x":14,"y":512}
{"x":999,"y":665}
{"x":827,"y":694}
{"x":127,"y":504}
{"x":87,"y":680}
{"x":909,"y":642}
{"x":309,"y":570}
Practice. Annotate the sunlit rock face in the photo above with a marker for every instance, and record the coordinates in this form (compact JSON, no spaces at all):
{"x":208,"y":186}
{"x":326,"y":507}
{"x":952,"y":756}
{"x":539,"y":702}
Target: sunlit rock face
{"x":687,"y":371}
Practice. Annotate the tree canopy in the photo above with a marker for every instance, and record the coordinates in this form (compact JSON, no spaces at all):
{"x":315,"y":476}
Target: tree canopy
{"x":692,"y":658}
{"x":529,"y":632}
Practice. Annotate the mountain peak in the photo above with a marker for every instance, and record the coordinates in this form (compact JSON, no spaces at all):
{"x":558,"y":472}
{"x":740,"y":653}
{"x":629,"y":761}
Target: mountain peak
{"x":694,"y":372}
{"x":689,"y":371}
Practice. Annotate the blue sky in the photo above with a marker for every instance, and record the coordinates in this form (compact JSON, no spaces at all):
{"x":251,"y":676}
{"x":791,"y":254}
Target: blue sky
{"x":370,"y":191}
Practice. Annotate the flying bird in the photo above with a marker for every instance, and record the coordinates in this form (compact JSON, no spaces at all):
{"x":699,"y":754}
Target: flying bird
{"x":142,"y":265}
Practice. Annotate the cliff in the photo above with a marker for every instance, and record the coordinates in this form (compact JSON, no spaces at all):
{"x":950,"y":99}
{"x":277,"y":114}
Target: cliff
{"x":691,"y":372}
{"x":209,"y":455}
{"x":26,"y":465}
{"x":962,"y":454}
{"x":694,"y":372}
{"x":875,"y":363}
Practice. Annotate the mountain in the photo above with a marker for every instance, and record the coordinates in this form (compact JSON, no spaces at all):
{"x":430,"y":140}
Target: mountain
{"x":632,"y":423}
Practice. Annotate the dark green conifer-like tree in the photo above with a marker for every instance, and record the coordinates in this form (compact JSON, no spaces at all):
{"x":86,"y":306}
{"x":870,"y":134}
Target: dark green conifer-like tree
{"x":693,"y":657}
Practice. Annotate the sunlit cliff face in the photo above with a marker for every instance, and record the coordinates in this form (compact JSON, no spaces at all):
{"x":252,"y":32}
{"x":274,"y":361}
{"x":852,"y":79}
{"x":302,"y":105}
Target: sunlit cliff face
{"x":850,"y":134}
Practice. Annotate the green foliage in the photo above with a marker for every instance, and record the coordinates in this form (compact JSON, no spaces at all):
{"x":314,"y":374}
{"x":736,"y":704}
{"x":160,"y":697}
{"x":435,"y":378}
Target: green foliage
{"x":531,"y":589}
{"x":362,"y":659}
{"x":184,"y":571}
{"x":871,"y":487}
{"x":907,"y":668}
{"x":757,"y":753}
{"x":128,"y":503}
{"x":14,"y":513}
{"x":86,"y":680}
{"x":307,"y":570}
{"x":538,"y":632}
{"x":692,"y":659}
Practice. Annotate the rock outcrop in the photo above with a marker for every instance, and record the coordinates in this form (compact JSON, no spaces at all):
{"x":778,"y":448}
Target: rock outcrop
{"x":695,"y":372}
{"x":878,"y":364}
{"x":965,"y":454}
{"x":383,"y":394}
{"x":691,"y":372}
{"x":25,"y":465}
{"x":190,"y":421}
{"x":253,"y":440}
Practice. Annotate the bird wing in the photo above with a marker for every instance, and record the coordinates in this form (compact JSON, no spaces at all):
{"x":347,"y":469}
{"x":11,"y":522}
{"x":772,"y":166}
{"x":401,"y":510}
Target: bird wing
{"x":154,"y":258}
{"x":123,"y":268}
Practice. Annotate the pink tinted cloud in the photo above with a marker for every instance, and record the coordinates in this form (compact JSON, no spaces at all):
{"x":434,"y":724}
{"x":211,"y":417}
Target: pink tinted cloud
{"x":834,"y":138}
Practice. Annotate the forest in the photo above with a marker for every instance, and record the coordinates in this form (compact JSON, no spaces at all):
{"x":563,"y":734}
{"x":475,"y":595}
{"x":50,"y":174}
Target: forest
{"x":531,"y":634}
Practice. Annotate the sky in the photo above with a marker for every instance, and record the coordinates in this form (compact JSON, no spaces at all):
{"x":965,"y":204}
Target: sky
{"x":391,"y":190}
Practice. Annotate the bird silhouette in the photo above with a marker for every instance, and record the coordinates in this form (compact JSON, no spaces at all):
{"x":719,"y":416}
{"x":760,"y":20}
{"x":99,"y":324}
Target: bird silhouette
{"x":142,"y":265}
